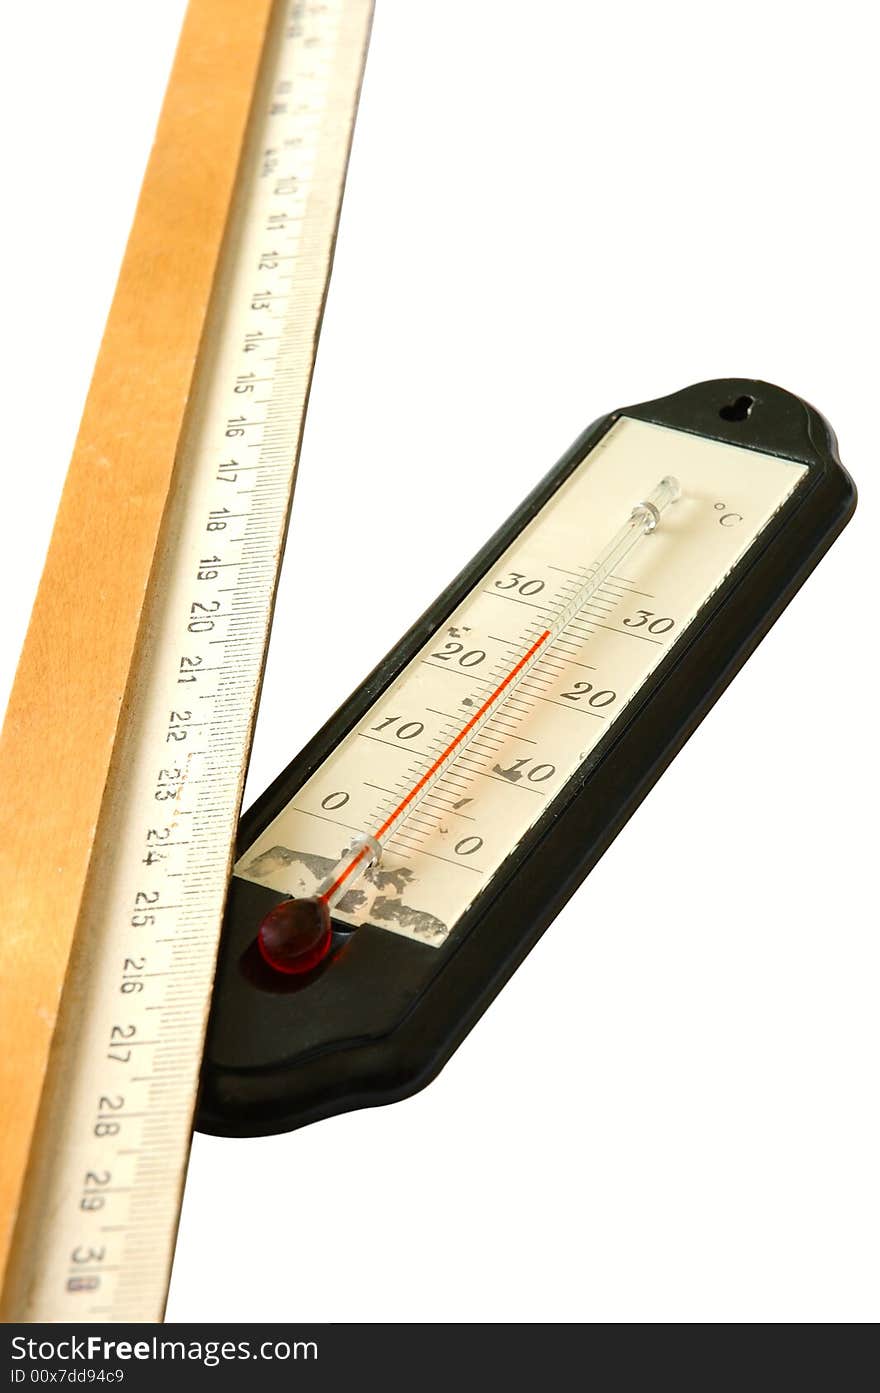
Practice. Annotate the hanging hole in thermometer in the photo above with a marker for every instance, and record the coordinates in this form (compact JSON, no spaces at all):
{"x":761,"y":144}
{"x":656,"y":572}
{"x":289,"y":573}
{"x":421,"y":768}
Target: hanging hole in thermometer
{"x":297,"y":934}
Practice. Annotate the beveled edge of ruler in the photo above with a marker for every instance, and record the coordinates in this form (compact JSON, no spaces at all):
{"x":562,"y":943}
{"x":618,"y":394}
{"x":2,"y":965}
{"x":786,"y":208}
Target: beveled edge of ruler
{"x":64,"y":712}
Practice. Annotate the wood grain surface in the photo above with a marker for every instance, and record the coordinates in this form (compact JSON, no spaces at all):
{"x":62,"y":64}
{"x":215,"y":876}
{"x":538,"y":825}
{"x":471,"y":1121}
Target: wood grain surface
{"x":68,"y":701}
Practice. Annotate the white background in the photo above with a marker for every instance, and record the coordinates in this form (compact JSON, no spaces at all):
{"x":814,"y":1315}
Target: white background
{"x":670,"y":1112}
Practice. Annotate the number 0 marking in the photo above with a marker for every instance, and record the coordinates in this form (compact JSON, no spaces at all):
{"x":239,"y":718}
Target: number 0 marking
{"x":468,"y":845}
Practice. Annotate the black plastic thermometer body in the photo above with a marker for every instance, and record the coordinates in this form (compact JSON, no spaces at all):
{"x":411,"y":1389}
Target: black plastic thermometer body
{"x":383,"y":1012}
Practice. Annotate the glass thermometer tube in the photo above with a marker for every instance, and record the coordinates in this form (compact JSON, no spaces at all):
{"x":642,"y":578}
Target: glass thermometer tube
{"x":296,"y":935}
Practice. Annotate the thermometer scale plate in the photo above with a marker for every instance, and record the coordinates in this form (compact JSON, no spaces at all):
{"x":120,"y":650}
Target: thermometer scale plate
{"x":465,"y":885}
{"x":441,"y":859}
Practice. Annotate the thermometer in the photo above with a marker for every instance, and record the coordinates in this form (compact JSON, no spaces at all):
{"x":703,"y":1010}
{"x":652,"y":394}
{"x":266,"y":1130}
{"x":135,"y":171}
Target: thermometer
{"x":394,"y":876}
{"x":296,"y":934}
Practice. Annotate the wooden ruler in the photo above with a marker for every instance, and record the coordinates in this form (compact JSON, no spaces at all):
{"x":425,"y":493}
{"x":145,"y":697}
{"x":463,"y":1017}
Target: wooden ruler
{"x":126,"y":741}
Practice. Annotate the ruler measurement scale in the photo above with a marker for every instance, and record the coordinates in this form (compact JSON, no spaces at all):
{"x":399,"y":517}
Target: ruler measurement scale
{"x":105,"y":1210}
